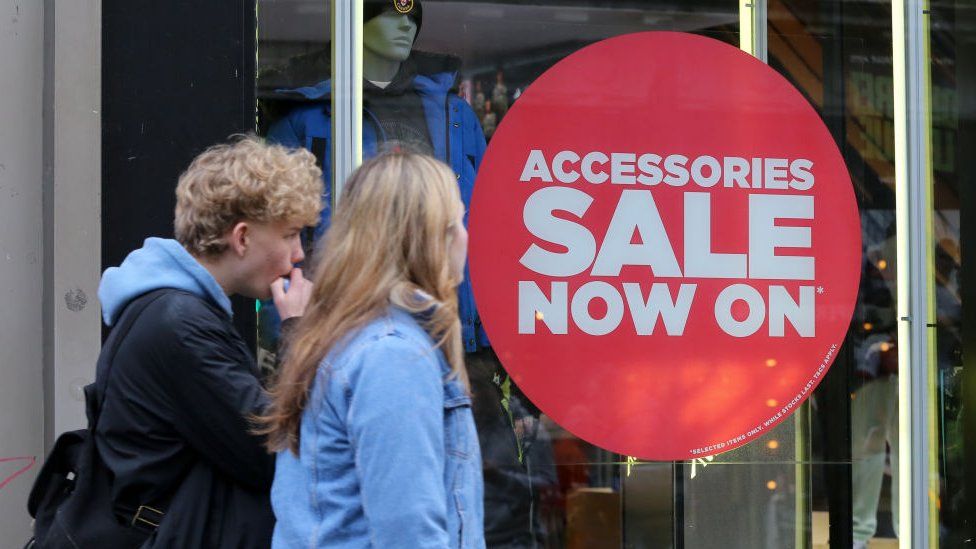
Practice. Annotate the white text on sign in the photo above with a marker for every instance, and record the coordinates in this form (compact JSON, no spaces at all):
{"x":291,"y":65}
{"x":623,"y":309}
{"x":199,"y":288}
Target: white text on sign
{"x":637,"y":213}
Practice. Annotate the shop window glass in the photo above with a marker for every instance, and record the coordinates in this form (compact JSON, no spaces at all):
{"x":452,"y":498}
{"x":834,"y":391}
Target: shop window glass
{"x":838,"y":54}
{"x":544,"y":487}
{"x":294,"y":60}
{"x":952,"y":116}
{"x":822,"y":477}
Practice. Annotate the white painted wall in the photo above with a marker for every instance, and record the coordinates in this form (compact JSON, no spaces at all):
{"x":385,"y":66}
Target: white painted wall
{"x":73,"y":157}
{"x":50,"y":234}
{"x":21,"y":260}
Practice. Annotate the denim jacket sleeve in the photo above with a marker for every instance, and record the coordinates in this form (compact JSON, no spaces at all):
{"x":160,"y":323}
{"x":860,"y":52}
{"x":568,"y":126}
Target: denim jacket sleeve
{"x":396,"y":423}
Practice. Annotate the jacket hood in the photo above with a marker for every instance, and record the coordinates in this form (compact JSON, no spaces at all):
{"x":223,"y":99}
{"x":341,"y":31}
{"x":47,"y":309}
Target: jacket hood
{"x":160,"y":263}
{"x":435,"y":73}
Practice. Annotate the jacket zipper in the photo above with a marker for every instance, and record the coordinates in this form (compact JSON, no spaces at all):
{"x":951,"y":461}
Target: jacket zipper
{"x":447,"y":131}
{"x":380,"y":132}
{"x":457,"y":174}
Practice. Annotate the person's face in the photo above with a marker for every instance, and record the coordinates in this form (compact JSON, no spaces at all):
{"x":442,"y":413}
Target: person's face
{"x":390,"y":35}
{"x":270,"y":252}
{"x":458,"y":245}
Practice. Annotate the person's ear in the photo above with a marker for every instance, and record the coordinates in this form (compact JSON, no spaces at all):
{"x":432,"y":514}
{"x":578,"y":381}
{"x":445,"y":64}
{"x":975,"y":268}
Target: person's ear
{"x":238,"y":238}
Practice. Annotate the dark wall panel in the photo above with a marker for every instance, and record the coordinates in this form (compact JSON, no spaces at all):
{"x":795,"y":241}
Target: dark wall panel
{"x":177,"y":76}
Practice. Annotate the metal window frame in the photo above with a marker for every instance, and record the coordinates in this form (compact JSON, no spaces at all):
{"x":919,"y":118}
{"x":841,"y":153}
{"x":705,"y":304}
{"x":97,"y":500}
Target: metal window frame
{"x":753,"y":31}
{"x":347,"y":91}
{"x":72,"y":209}
{"x":918,"y":473}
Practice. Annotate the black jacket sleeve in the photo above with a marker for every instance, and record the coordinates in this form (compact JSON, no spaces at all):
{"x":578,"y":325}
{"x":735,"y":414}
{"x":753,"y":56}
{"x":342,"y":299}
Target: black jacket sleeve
{"x":214,"y":392}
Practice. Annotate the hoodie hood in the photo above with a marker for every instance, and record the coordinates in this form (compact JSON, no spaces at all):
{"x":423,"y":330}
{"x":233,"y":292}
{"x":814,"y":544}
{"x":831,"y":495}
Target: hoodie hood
{"x":435,"y":73}
{"x":160,"y":263}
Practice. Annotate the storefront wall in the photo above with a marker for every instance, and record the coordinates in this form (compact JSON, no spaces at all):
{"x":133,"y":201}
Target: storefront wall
{"x":49,"y":207}
{"x":862,"y":459}
{"x":881,"y":451}
{"x":21,"y":229}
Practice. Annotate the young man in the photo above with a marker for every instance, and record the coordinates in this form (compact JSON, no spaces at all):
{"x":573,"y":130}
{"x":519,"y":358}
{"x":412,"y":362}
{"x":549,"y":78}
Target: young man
{"x":174,"y":424}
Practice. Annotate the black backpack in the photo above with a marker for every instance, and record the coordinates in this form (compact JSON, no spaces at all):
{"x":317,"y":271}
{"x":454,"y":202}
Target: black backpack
{"x":71,"y":500}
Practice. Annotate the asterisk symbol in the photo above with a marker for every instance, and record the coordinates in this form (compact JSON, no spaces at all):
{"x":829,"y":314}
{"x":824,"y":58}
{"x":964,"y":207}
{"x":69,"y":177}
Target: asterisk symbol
{"x":820,"y":289}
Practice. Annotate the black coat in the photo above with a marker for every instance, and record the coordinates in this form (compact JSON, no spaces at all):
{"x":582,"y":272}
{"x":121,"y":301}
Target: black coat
{"x":174,"y":428}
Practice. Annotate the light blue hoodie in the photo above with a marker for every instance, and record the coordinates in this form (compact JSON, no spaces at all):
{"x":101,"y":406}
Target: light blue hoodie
{"x":160,"y":263}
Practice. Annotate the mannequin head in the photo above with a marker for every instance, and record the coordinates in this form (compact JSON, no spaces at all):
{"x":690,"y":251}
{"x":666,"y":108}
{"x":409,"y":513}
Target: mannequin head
{"x":413,"y":8}
{"x":389,"y":30}
{"x":390,"y":36}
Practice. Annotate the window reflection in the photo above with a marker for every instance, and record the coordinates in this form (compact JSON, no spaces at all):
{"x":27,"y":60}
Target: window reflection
{"x":840,"y":57}
{"x":546,"y":488}
{"x":951,"y":26}
{"x":293,"y":51}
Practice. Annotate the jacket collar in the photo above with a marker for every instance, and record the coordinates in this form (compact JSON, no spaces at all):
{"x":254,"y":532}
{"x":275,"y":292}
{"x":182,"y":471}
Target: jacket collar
{"x":434,"y":74}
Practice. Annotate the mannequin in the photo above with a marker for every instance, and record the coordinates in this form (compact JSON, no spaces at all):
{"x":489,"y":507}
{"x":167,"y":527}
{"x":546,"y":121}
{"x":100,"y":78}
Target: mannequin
{"x":388,"y":38}
{"x":409,"y":101}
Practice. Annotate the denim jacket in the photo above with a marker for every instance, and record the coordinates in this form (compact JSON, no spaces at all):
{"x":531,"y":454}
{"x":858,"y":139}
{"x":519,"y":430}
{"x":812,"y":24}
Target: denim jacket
{"x":388,"y":453}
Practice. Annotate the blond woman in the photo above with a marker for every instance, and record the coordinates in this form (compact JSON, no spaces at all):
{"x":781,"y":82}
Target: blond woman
{"x":371,"y":415}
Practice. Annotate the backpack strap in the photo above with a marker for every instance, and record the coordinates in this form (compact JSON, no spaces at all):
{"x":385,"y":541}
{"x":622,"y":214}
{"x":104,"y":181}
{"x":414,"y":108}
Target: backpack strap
{"x":143,"y":518}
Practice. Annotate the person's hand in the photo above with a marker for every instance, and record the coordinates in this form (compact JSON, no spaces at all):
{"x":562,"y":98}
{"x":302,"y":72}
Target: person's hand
{"x":291,"y":303}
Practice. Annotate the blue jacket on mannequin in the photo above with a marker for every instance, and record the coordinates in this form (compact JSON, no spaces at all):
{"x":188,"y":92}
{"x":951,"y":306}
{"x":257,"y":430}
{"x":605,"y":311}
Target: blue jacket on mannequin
{"x":455,"y":134}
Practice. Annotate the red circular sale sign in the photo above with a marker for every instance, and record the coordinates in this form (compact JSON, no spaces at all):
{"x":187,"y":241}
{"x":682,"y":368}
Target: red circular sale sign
{"x":665,"y":246}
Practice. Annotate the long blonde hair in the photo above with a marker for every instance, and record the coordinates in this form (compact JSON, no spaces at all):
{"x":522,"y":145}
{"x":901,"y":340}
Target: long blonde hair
{"x":388,"y":243}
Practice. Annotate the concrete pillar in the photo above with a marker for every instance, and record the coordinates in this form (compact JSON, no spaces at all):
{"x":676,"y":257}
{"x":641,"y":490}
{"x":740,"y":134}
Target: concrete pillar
{"x":21,"y":260}
{"x":50,"y":234}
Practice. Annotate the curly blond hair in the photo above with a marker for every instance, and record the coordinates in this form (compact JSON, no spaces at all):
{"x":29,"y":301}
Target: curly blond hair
{"x":245,"y":180}
{"x":389,"y":242}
